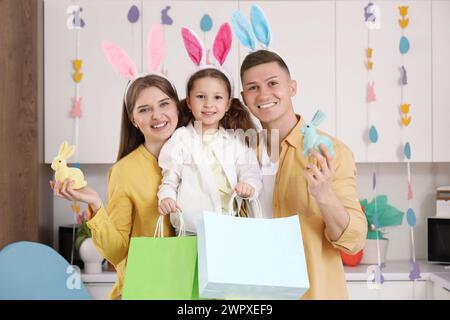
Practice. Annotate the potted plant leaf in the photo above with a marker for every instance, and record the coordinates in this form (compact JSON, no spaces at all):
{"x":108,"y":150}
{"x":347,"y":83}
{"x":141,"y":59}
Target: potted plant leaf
{"x":379,"y":214}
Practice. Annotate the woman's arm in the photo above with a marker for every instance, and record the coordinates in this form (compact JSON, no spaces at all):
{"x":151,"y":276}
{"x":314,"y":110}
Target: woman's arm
{"x":110,"y":228}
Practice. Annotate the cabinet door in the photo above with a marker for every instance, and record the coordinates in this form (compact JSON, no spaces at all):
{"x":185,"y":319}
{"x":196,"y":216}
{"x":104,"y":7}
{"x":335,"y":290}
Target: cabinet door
{"x":354,"y":116}
{"x":389,"y":290}
{"x":441,"y":80}
{"x":303,"y":33}
{"x":189,"y":13}
{"x":101,"y":88}
{"x":440,"y":293}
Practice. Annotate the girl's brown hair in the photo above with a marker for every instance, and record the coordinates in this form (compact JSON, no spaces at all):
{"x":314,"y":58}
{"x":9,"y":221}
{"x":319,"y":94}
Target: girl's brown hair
{"x":237,"y":117}
{"x":130,"y":136}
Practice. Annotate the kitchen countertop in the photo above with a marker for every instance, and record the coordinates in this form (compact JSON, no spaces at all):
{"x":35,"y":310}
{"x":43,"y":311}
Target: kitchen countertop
{"x":394,"y":271}
{"x":399,"y":271}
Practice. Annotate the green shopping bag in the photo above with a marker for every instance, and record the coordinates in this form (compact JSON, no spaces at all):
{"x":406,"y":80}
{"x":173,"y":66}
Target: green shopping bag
{"x":161,"y":268}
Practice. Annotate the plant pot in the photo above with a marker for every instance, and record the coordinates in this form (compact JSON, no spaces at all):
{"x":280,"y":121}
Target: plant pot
{"x":91,"y":257}
{"x":370,"y":255}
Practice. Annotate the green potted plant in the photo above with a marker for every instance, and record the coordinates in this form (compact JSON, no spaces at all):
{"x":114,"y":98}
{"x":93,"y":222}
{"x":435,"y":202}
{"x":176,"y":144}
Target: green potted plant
{"x":379,"y":214}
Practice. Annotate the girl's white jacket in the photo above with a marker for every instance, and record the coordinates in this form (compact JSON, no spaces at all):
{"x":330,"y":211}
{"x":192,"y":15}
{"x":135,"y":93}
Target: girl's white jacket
{"x":188,"y":178}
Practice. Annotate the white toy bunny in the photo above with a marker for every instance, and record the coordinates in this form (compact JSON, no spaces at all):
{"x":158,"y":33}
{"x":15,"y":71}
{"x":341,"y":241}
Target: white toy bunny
{"x":62,"y":171}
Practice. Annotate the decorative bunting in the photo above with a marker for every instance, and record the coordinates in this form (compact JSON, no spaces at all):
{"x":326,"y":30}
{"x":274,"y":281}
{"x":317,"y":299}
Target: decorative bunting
{"x":404,"y":76}
{"x":78,"y":75}
{"x":410,"y":193}
{"x":76,"y":108}
{"x":373,"y":134}
{"x":74,"y":21}
{"x":165,"y":19}
{"x":371,"y":97}
{"x":133,"y":14}
{"x":404,"y":47}
{"x":75,"y":207}
{"x":374,"y":180}
{"x":206,"y":23}
{"x":415,"y":270}
{"x":407,"y":151}
{"x":411,"y":217}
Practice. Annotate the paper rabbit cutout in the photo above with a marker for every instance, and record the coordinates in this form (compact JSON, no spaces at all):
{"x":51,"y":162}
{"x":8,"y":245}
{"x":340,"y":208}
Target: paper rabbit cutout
{"x":259,"y":31}
{"x":196,"y":50}
{"x":312,"y":139}
{"x":125,"y":66}
{"x":62,"y":171}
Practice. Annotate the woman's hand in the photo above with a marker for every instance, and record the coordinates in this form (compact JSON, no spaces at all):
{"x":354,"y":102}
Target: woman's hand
{"x":244,"y":190}
{"x":85,"y":194}
{"x":167,"y":206}
{"x":320,"y":178}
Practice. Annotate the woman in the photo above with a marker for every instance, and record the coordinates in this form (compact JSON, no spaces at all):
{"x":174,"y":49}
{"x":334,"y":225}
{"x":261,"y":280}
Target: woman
{"x":149,"y":117}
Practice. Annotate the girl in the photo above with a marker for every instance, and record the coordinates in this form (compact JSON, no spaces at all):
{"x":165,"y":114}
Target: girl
{"x":149,"y":117}
{"x":205,"y":161}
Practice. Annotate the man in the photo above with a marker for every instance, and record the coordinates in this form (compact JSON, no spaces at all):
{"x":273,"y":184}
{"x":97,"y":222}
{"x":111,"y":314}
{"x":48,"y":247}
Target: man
{"x":320,"y":189}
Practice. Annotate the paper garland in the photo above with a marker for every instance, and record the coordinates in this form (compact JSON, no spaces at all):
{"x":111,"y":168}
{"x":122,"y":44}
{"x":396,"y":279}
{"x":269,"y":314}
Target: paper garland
{"x":76,"y":23}
{"x":404,"y":47}
{"x":372,"y":21}
{"x":133,"y":14}
{"x":165,"y":18}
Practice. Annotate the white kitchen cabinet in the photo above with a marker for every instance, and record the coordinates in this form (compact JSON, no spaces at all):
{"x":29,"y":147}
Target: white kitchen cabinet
{"x":354,"y":115}
{"x":440,"y":293}
{"x":389,"y":290}
{"x":189,"y":13}
{"x":303,"y":32}
{"x":441,"y":80}
{"x":101,"y":88}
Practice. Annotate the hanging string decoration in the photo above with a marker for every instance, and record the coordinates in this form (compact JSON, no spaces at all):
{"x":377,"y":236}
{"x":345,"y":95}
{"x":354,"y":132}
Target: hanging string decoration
{"x":405,"y":121}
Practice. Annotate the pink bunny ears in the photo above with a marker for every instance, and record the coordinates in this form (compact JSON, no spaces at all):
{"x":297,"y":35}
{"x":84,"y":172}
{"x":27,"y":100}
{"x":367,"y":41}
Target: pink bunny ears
{"x":221,"y":48}
{"x":126,"y":67}
{"x":196,"y":51}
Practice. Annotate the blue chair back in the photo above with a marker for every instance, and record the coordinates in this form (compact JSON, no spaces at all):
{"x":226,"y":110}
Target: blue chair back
{"x":34,"y":271}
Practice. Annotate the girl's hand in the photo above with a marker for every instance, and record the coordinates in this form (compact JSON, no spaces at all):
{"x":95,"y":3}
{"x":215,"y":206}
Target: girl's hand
{"x":168,"y":205}
{"x":244,"y":190}
{"x":85,"y":194}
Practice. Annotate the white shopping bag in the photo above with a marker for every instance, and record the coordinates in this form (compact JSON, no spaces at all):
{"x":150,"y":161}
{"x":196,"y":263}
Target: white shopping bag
{"x":247,"y":258}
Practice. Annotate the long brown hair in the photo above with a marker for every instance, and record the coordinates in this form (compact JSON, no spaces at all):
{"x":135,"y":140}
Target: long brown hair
{"x":130,"y":136}
{"x":237,"y":117}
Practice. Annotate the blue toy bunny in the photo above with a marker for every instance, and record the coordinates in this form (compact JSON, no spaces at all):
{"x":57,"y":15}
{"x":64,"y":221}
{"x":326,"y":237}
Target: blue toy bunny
{"x":312,"y":139}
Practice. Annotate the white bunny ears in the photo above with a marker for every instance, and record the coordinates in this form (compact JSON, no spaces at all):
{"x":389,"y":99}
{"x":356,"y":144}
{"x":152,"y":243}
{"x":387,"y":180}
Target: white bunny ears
{"x":126,"y":67}
{"x":197,"y":52}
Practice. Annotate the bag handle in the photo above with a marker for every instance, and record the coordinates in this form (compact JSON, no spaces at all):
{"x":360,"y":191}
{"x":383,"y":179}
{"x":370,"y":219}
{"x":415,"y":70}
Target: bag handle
{"x":159,"y":230}
{"x":239,"y":200}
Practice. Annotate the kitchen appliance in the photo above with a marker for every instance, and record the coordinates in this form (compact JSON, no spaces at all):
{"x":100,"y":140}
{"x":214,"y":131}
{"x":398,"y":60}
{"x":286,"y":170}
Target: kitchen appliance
{"x":438,"y":240}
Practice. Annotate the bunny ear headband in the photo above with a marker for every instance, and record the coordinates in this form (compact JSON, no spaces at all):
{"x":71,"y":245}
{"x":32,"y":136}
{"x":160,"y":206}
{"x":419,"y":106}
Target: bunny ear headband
{"x":221,"y":48}
{"x":126,"y":67}
{"x":258,"y":32}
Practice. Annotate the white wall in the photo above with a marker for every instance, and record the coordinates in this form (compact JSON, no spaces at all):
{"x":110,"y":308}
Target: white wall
{"x":391,"y":180}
